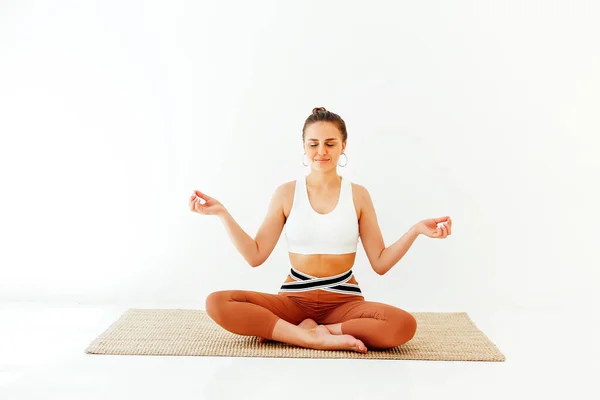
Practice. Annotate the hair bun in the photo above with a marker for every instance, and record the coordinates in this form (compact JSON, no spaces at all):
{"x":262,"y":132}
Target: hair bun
{"x":317,"y":109}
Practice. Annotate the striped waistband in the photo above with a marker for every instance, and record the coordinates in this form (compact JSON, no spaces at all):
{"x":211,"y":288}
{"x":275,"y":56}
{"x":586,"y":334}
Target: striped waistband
{"x":304,"y":282}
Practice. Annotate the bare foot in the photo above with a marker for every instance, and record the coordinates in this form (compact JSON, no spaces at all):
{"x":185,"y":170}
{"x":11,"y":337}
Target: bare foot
{"x":306,"y":324}
{"x":324,"y":340}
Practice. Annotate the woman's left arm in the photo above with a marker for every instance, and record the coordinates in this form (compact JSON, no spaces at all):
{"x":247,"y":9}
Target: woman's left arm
{"x":383,"y":258}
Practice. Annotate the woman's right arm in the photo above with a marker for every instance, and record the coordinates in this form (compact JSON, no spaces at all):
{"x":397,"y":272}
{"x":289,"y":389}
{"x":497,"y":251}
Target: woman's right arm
{"x":256,"y":251}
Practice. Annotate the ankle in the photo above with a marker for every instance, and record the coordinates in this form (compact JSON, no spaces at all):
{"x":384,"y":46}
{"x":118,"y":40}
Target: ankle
{"x":292,"y":334}
{"x":334,"y":329}
{"x":315,"y":336}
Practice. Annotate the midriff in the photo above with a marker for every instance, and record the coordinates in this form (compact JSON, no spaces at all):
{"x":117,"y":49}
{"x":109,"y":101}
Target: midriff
{"x":322,"y":265}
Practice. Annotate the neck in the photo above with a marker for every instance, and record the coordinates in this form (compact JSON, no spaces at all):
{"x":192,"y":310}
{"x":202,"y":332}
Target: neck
{"x":325,"y":179}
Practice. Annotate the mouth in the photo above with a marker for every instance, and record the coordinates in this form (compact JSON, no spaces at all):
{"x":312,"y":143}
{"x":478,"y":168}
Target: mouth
{"x":321,"y":161}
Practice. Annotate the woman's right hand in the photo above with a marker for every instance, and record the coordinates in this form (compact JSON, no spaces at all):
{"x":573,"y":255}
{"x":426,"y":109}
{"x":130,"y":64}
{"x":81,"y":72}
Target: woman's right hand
{"x":210,"y":206}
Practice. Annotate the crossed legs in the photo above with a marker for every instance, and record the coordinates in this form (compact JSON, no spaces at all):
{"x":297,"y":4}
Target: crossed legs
{"x":377,"y":325}
{"x":354,"y":325}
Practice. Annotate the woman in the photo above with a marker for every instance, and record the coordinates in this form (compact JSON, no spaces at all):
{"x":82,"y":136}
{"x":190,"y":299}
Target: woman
{"x":320,"y":304}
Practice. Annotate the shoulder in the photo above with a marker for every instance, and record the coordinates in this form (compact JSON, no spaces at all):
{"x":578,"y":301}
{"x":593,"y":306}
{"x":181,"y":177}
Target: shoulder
{"x":362,"y":198}
{"x":360,"y":192}
{"x":286,"y":189}
{"x":284,"y":196}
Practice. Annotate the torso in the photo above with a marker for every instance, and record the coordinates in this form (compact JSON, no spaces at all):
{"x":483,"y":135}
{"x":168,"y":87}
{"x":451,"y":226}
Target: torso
{"x":319,"y":265}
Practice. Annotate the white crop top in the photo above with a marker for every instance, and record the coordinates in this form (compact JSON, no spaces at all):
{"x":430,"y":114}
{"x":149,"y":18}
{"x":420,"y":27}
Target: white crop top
{"x":308,"y":232}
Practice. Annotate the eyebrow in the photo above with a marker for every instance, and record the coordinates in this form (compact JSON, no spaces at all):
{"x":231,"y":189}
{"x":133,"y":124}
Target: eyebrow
{"x":316,"y":140}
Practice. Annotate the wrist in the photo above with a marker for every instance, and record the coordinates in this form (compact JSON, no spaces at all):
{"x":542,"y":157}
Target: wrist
{"x":222,"y":214}
{"x":415,"y":230}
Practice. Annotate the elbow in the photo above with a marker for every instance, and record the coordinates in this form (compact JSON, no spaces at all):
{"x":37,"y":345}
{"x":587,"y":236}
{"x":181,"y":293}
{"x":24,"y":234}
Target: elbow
{"x":382,"y":268}
{"x":256,"y":262}
{"x":379,"y":270}
{"x":378,"y":265}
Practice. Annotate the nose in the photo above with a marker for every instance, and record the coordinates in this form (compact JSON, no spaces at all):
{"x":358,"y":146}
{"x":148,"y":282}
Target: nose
{"x":322,"y":150}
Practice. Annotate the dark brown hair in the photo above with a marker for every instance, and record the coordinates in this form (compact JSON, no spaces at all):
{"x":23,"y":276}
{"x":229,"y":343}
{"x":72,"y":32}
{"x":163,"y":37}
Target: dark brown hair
{"x":321,"y":114}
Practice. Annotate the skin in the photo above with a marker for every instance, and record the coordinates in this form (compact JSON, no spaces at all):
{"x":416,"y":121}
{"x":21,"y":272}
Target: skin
{"x":322,"y":141}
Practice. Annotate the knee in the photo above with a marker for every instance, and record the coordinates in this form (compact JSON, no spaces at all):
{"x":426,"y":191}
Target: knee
{"x":406,"y":327}
{"x":402,"y":329}
{"x":215,"y":303}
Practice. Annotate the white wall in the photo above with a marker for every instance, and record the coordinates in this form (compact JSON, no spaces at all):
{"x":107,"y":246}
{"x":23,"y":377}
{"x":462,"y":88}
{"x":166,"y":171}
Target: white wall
{"x":113,"y":112}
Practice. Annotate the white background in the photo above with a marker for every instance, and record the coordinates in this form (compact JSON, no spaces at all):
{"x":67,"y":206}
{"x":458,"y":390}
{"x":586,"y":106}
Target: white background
{"x":112,"y":113}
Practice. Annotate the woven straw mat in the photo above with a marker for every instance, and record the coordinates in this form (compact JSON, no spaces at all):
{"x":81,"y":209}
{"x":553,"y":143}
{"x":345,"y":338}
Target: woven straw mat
{"x":443,"y":336}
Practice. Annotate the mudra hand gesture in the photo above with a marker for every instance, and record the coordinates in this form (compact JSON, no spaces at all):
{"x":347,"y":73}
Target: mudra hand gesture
{"x":437,"y":228}
{"x":211,"y":206}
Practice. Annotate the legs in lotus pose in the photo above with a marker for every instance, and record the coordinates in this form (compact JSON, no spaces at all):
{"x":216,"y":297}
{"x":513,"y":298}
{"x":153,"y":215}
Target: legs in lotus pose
{"x":317,"y":319}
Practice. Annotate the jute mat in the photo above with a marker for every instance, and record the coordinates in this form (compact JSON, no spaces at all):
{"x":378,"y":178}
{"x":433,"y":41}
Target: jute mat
{"x":444,"y":336}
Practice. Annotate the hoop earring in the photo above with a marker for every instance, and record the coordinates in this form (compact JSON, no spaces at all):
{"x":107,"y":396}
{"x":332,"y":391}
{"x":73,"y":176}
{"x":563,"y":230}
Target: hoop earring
{"x":344,"y":154}
{"x":306,"y":165}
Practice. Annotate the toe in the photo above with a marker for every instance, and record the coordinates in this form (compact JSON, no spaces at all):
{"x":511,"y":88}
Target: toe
{"x":361,"y":347}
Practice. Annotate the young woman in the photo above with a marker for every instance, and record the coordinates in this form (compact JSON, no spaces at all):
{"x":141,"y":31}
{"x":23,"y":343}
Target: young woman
{"x":320,"y":304}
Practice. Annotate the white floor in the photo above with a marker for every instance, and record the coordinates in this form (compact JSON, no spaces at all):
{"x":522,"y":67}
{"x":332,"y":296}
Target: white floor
{"x":551,"y":354}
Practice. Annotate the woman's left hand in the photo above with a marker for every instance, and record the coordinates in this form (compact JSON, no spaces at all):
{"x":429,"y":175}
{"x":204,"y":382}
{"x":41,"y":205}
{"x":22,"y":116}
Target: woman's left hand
{"x":430,"y":228}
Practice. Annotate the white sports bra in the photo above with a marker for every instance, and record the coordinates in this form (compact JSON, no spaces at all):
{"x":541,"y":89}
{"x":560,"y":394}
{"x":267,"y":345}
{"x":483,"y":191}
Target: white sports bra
{"x":308,"y":232}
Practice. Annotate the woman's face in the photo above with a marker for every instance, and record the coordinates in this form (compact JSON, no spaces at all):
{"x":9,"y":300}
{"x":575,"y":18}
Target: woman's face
{"x":323,"y":145}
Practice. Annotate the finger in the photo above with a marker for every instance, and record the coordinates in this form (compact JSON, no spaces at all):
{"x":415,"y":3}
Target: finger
{"x":440,"y":228}
{"x":202,"y":195}
{"x":449,"y":227}
{"x":441,"y":219}
{"x":445,"y":230}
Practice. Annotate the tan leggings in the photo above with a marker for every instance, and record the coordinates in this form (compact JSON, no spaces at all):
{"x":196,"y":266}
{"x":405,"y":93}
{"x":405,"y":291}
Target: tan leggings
{"x":377,"y":325}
